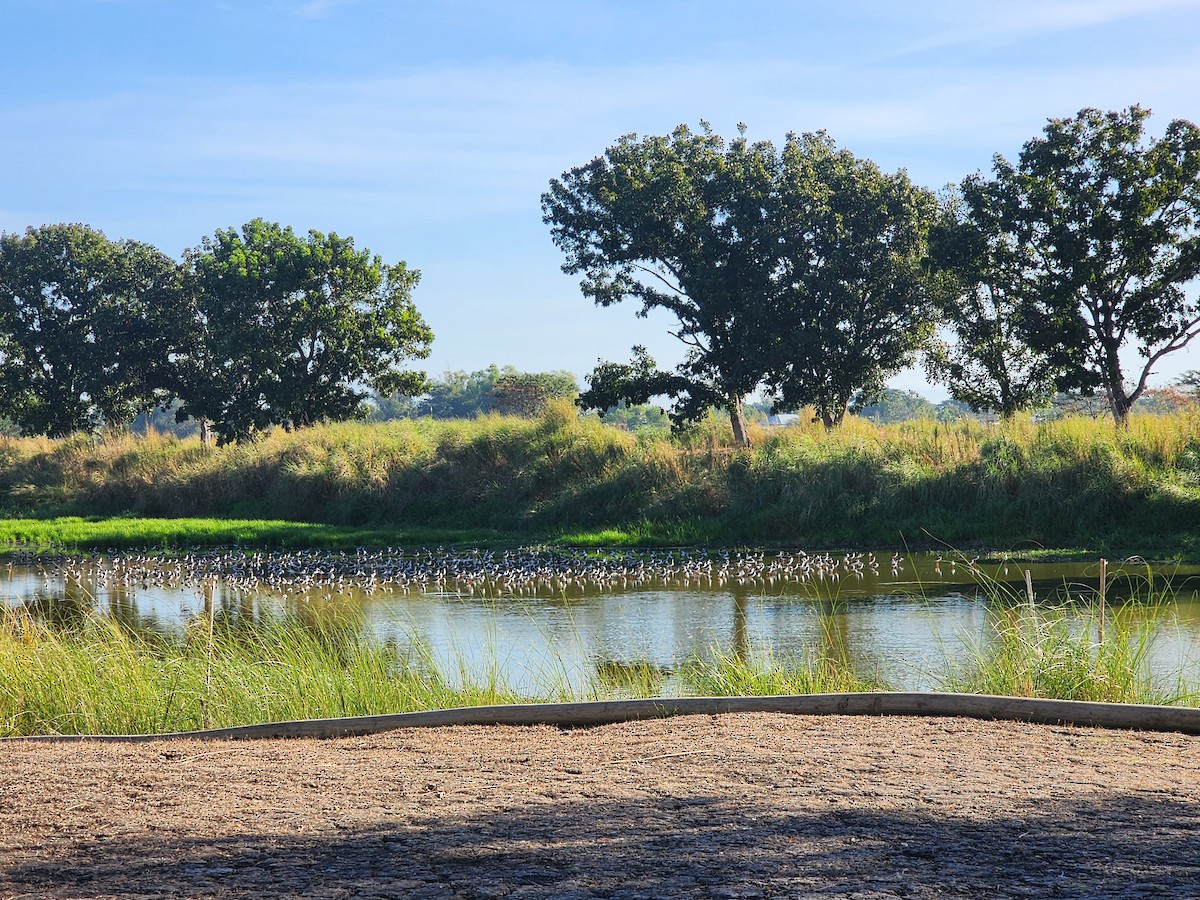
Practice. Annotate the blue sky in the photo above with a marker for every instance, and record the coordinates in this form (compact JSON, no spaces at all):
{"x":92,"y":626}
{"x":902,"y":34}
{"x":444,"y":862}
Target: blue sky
{"x":428,"y":130}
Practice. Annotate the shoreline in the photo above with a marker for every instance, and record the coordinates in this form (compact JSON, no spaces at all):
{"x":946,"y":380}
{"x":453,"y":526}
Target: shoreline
{"x":70,"y":534}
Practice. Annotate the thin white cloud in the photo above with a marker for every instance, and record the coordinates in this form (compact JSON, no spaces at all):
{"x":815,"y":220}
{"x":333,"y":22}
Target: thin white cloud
{"x":316,"y":9}
{"x":468,"y":140}
{"x":1002,"y":22}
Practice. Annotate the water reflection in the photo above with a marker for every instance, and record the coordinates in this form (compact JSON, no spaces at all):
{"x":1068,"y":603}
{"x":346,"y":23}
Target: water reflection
{"x":898,"y":623}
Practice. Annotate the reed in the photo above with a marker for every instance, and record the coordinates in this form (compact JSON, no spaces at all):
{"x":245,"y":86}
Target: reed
{"x":97,"y":677}
{"x":89,"y":674}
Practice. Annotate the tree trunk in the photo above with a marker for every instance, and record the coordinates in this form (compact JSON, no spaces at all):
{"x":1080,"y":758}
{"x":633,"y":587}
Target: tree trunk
{"x":832,"y":417}
{"x":1119,"y":403}
{"x":740,"y":437}
{"x":1120,"y":410}
{"x":205,"y":436}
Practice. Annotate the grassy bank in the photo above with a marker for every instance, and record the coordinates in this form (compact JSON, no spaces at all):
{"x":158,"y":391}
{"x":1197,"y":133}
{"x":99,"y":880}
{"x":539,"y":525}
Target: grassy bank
{"x":1075,"y":482}
{"x":96,"y":677}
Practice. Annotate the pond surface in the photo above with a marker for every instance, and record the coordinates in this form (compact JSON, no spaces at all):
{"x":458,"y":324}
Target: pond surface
{"x":542,"y":620}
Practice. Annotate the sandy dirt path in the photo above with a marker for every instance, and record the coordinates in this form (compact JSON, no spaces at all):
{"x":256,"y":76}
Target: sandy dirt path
{"x":757,"y":805}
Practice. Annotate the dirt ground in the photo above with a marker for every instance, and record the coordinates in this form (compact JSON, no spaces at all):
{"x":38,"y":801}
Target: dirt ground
{"x":760,"y":805}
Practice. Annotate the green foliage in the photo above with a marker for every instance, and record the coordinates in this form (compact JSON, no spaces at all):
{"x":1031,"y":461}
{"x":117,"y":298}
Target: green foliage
{"x":1108,"y":230}
{"x":295,"y":330}
{"x":612,"y":384}
{"x":88,"y":327}
{"x":1067,"y":653}
{"x":98,"y":678}
{"x":463,"y":395}
{"x":729,"y":675}
{"x":637,"y":417}
{"x":1189,"y":383}
{"x":677,"y":223}
{"x":983,"y":283}
{"x":898,"y":406}
{"x":800,"y":268}
{"x":529,"y":393}
{"x":459,"y":395}
{"x":851,"y":304}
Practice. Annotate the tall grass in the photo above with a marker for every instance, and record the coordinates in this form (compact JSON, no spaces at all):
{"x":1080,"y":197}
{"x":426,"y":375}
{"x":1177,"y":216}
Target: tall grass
{"x":1079,"y":649}
{"x":1072,"y":482}
{"x":101,"y":678}
{"x":730,"y":675}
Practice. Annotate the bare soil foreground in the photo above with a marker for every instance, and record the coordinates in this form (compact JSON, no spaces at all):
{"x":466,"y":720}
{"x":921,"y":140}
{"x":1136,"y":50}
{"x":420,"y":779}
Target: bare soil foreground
{"x":758,"y":805}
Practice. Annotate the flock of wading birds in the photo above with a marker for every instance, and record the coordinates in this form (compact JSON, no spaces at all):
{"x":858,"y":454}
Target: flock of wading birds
{"x":528,"y":571}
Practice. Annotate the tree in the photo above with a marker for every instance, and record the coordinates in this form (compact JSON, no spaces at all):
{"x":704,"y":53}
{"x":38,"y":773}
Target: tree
{"x":459,"y":395}
{"x":88,"y":327}
{"x":853,"y":304}
{"x":613,"y":384}
{"x":1189,"y":383}
{"x":679,"y":223}
{"x":462,"y":395}
{"x":982,"y":274}
{"x":294,"y":330}
{"x":898,"y":406}
{"x":1111,"y":221}
{"x":527,"y":393}
{"x":636,"y":417}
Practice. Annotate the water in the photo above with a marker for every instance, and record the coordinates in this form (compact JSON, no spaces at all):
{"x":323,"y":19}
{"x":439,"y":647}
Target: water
{"x":901,"y":622}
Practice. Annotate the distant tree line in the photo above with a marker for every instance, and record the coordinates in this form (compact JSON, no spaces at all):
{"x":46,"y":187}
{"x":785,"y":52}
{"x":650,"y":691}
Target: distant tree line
{"x":464,"y":395}
{"x":810,"y":274}
{"x":893,"y":405}
{"x":507,"y":391}
{"x":254,"y":328}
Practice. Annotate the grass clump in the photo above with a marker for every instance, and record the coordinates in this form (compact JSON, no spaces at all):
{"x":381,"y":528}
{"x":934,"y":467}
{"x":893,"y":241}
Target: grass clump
{"x":100,"y":678}
{"x":1070,"y":652}
{"x":732,"y":675}
{"x":1073,"y":481}
{"x":90,"y":674}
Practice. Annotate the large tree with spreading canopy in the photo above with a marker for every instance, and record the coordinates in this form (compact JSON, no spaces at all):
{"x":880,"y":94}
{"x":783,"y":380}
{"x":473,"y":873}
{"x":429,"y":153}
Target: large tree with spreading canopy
{"x":679,"y":223}
{"x":852,"y":303}
{"x":797,"y":269}
{"x":292,"y":330}
{"x":1106,"y":227}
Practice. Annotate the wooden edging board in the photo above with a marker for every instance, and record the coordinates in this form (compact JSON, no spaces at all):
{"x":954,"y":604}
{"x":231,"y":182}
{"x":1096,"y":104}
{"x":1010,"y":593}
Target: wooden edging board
{"x":604,"y":712}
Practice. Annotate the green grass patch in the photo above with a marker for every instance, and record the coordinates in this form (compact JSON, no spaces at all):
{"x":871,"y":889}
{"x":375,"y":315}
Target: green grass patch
{"x":75,"y":532}
{"x":728,"y":675}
